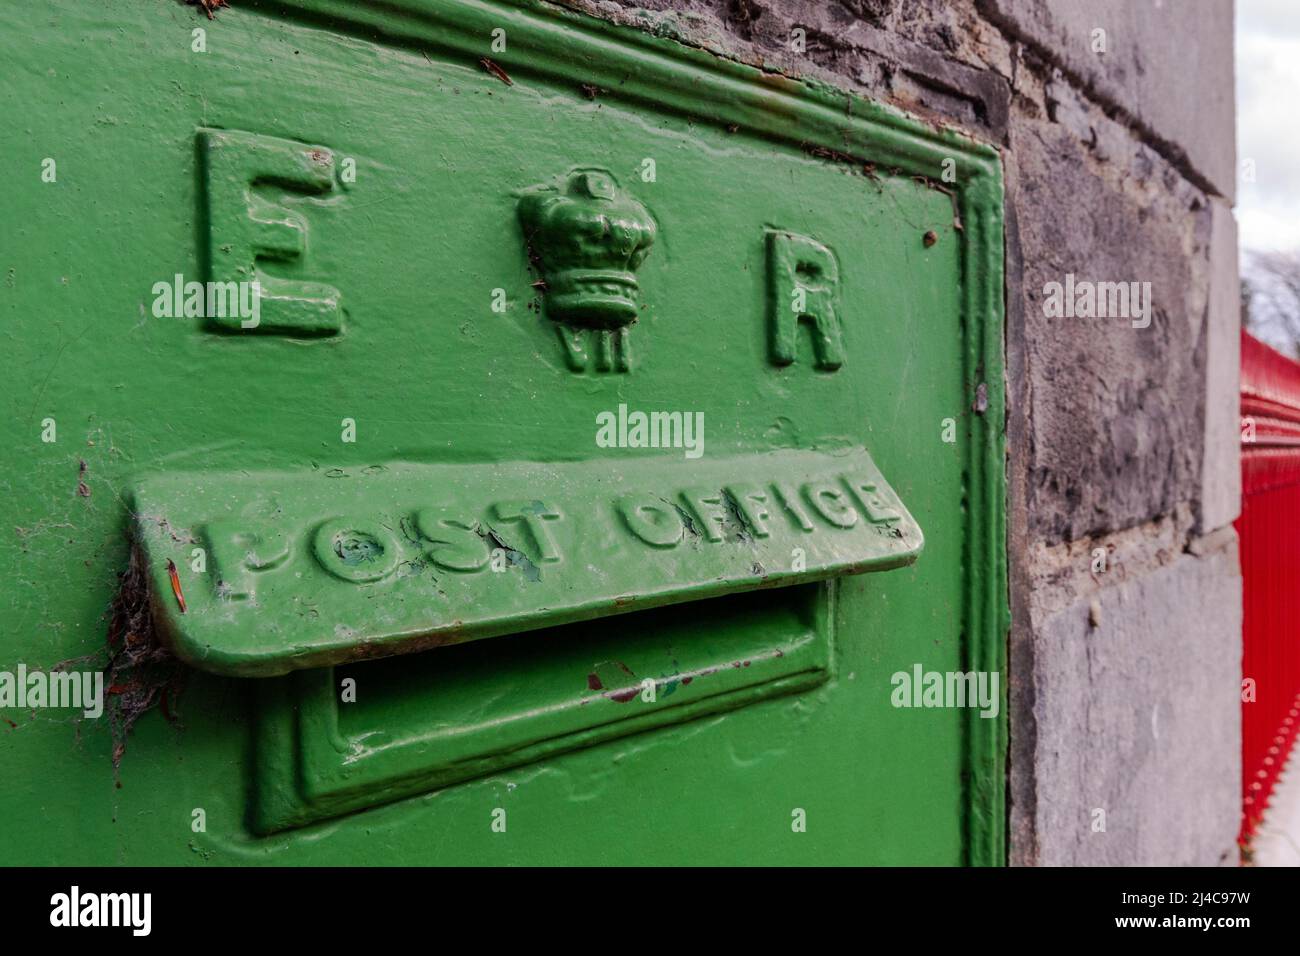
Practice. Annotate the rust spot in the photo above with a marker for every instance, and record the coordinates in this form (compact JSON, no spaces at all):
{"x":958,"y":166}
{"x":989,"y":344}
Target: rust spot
{"x":930,"y":238}
{"x":614,"y":674}
{"x":208,"y":6}
{"x":496,"y":71}
{"x":82,"y":488}
{"x":825,"y":152}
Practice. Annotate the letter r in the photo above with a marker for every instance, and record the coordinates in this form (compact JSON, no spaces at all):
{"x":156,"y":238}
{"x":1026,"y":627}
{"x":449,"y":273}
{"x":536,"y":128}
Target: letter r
{"x":798,"y":264}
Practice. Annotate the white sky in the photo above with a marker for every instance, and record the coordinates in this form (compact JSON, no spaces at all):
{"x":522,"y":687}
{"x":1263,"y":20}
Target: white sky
{"x":1268,"y":123}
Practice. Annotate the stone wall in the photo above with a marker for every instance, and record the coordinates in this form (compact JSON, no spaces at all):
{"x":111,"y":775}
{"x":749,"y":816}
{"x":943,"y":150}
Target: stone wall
{"x":1120,"y":166}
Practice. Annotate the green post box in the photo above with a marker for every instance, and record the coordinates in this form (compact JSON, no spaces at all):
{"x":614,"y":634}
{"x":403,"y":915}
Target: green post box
{"x":469,"y":432}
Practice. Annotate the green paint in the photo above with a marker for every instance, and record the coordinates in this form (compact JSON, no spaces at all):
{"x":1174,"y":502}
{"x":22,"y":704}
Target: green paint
{"x":424,"y":722}
{"x":610,"y":540}
{"x":787,"y":298}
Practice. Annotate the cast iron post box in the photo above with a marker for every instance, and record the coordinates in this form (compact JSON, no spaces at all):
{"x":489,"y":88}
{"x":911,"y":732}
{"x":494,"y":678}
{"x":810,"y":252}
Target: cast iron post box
{"x":526,"y":440}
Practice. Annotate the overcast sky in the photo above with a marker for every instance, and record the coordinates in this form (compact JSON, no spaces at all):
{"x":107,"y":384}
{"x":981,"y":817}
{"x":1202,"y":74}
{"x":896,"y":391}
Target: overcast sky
{"x":1268,"y":123}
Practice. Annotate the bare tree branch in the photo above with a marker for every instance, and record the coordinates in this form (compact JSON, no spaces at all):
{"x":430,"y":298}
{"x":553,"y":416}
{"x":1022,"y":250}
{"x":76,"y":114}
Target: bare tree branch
{"x":1271,"y":293}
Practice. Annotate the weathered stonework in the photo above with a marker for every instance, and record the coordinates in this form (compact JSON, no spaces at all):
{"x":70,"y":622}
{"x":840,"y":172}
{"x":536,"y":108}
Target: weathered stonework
{"x":1119,"y":167}
{"x":1221,"y":471}
{"x":1134,"y":725}
{"x":1167,"y":70}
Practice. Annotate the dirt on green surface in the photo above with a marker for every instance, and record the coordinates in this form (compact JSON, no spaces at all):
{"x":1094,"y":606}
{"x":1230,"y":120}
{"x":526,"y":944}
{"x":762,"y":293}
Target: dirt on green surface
{"x":141,"y":673}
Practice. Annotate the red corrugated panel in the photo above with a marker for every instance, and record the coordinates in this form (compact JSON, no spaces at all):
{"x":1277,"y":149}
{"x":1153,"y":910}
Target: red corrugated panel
{"x":1269,"y":528}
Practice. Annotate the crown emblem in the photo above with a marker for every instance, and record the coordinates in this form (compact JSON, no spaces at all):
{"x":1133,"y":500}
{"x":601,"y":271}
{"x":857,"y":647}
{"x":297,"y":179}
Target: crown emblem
{"x":588,"y":237}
